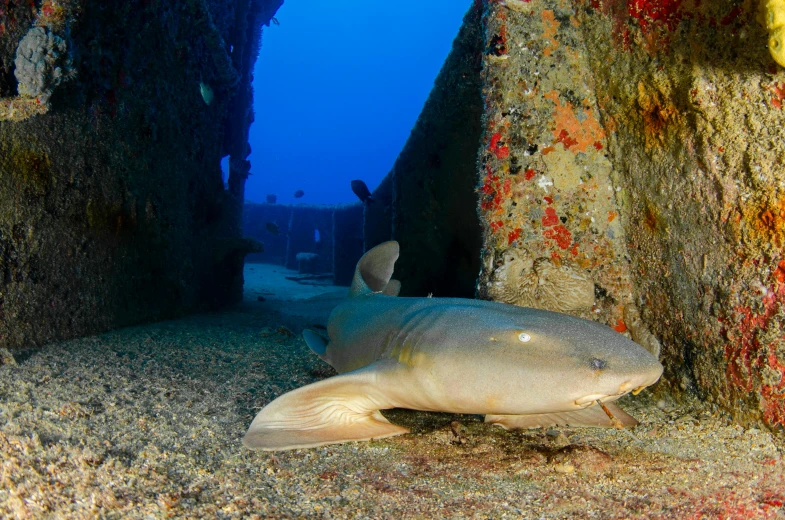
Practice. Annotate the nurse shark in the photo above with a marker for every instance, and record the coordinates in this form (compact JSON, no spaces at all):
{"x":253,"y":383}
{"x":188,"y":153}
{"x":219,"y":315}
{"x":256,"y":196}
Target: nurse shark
{"x":520,"y":367}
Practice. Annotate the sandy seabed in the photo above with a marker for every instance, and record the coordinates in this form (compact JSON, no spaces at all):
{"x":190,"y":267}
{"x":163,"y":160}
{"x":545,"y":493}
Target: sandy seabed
{"x":146,"y":422}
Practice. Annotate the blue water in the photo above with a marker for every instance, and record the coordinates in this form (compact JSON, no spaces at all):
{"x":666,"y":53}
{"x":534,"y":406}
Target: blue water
{"x":338,"y":86}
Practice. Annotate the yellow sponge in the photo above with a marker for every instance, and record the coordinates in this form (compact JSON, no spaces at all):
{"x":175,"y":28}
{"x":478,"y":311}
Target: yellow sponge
{"x":772,"y":17}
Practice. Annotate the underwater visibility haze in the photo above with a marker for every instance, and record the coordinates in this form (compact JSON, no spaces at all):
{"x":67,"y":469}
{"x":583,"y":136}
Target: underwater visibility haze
{"x":338,"y":87}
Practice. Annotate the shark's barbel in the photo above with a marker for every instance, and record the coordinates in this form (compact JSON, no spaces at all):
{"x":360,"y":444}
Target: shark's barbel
{"x":520,"y":367}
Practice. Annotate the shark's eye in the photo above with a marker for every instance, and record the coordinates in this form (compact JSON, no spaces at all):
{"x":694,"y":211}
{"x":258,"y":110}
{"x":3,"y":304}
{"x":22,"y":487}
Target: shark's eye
{"x":524,"y":338}
{"x":597,"y":364}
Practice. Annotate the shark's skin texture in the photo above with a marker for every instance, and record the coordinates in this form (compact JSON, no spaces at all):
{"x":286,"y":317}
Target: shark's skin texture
{"x":520,"y":367}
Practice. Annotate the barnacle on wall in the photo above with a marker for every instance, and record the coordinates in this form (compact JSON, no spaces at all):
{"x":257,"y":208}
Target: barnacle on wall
{"x":513,"y":279}
{"x":562,"y":288}
{"x":519,"y":279}
{"x":658,"y":112}
{"x":764,"y":221}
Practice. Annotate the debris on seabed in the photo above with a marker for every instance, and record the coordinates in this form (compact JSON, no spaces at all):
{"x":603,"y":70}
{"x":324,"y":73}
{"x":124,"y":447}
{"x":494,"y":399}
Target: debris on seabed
{"x":6,"y":358}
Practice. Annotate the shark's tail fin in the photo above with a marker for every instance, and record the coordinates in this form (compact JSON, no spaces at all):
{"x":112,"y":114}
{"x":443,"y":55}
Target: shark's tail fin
{"x":374,"y":270}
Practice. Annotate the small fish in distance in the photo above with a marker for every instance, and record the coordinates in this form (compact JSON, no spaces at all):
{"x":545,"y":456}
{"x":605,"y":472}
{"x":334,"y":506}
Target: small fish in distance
{"x":271,"y":198}
{"x":272,"y":227}
{"x":207,"y":93}
{"x":361,"y":190}
{"x":298,"y":194}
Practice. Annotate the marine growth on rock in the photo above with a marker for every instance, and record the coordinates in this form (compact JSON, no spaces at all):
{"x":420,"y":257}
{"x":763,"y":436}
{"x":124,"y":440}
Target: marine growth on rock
{"x":772,"y":16}
{"x":521,"y":280}
{"x":42,"y":63}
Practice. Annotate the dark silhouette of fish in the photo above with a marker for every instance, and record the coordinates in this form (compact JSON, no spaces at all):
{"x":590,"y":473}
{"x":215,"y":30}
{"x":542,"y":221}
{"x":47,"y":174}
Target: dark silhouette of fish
{"x":272,"y":227}
{"x":361,"y":190}
{"x":271,"y":198}
{"x":298,"y":194}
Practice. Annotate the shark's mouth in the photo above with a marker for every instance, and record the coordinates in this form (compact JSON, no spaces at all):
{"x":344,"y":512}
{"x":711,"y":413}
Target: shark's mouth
{"x":589,"y":400}
{"x":625,"y":388}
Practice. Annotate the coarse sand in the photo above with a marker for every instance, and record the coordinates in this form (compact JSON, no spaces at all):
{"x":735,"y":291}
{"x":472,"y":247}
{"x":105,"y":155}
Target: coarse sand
{"x":146,"y":422}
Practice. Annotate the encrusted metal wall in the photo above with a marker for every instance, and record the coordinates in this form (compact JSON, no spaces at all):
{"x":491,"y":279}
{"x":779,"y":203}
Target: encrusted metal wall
{"x":426,"y":202}
{"x":638,"y":146}
{"x":548,"y":198}
{"x":113,"y":121}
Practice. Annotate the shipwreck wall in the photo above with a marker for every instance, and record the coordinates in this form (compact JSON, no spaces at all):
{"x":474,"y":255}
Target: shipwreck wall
{"x":547,"y":197}
{"x":269,"y":224}
{"x":113,"y":122}
{"x":639,"y":145}
{"x":377,"y":216}
{"x":288,"y":230}
{"x":348,"y":241}
{"x":699,"y":145}
{"x":431,"y":187}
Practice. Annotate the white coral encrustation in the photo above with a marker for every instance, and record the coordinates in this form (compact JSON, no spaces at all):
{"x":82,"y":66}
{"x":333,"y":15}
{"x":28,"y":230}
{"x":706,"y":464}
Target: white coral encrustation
{"x":513,"y":281}
{"x":520,"y":6}
{"x":519,"y":279}
{"x":562,"y":288}
{"x":42,"y":63}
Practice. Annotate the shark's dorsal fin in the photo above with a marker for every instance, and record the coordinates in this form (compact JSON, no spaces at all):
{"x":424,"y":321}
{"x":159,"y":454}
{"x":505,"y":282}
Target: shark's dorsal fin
{"x":375,"y":269}
{"x":393,"y":288}
{"x":315,"y":342}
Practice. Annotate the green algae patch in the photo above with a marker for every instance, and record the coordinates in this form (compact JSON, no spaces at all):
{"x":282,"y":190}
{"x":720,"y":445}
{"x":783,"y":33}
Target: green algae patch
{"x":28,"y":168}
{"x":18,"y":109}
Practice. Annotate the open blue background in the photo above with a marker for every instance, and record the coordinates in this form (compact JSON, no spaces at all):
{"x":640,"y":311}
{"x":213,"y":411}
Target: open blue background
{"x":338,"y":86}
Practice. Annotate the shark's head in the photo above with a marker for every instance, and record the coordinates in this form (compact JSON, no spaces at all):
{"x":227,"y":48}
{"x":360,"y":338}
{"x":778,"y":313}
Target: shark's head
{"x":524,"y":360}
{"x":544,"y":360}
{"x":596,"y":362}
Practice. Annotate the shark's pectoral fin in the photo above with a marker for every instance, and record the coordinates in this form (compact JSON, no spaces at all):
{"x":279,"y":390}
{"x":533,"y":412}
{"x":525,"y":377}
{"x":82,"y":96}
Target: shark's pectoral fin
{"x":315,"y":342}
{"x":591,"y":416}
{"x":335,"y":410}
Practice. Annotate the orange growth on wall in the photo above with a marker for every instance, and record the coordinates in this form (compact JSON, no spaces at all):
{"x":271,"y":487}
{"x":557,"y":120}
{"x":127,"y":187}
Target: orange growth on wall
{"x":550,"y":26}
{"x":576,"y":134}
{"x":560,"y":234}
